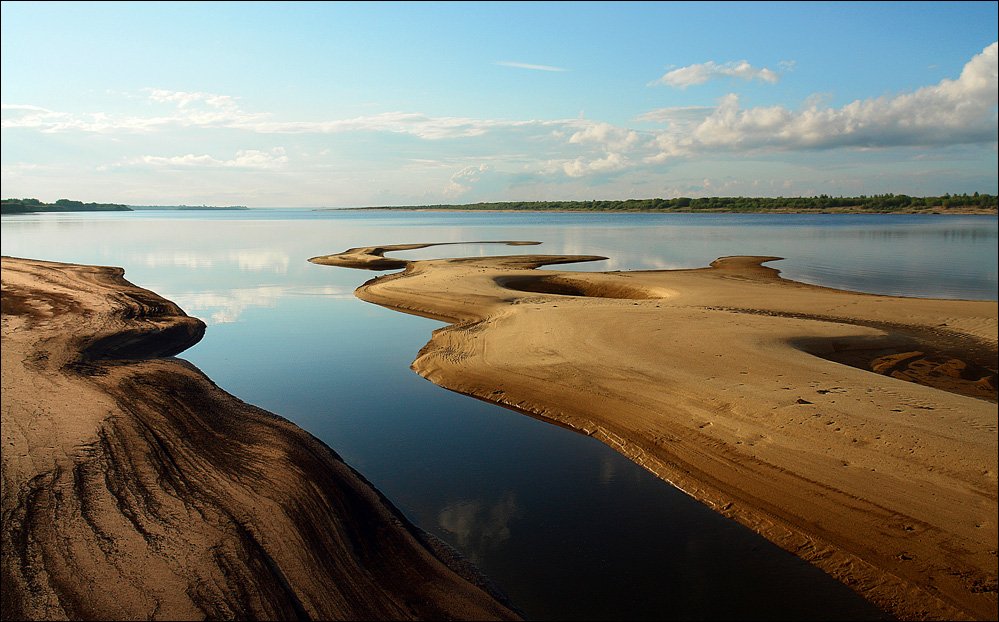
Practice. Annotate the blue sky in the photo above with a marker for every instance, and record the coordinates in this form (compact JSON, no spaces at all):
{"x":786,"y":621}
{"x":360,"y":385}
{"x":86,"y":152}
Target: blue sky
{"x":351,"y":104}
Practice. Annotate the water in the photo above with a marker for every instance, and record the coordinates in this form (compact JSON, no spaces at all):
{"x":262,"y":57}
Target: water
{"x":566,"y":527}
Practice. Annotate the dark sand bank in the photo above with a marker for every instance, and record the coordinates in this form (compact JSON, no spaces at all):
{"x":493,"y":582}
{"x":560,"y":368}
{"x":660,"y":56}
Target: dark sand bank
{"x":133,"y":487}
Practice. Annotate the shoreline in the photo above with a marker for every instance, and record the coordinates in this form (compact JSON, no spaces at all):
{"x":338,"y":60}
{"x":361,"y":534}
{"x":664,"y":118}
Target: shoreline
{"x":928,"y":212}
{"x":125,"y":467}
{"x":715,"y":380}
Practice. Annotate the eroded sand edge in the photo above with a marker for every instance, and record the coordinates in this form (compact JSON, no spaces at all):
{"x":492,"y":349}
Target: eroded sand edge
{"x":135,"y":488}
{"x":714,"y":379}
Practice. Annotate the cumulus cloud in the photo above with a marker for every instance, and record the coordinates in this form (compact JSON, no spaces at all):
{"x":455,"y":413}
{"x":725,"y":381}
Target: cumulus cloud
{"x":700,"y":73}
{"x":952,"y":112}
{"x":462,"y":181}
{"x":605,"y":148}
{"x":605,"y":135}
{"x":506,"y":63}
{"x":246,"y":159}
{"x":581,"y":166}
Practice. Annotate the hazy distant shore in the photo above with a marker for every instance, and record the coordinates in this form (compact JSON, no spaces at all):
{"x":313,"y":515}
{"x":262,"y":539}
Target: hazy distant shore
{"x":854,"y":430}
{"x":135,"y":488}
{"x":934,"y":211}
{"x":877,"y":204}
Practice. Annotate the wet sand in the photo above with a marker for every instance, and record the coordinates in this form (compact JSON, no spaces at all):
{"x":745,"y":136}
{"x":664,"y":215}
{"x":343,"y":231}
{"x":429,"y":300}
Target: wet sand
{"x":856,"y":431}
{"x":134,"y":488}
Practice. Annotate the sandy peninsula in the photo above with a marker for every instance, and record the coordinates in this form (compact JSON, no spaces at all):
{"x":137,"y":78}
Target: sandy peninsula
{"x":856,"y":431}
{"x":135,"y":488}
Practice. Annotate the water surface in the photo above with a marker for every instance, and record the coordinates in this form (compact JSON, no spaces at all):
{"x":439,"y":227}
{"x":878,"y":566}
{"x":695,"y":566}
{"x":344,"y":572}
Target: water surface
{"x":568,"y":528}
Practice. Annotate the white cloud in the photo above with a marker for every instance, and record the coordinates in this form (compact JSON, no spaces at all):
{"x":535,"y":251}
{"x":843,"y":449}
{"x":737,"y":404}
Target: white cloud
{"x":462,"y":181}
{"x":185,"y":98}
{"x":246,"y":159}
{"x":189,"y":109}
{"x":415,"y":124}
{"x":677,"y":114}
{"x":506,"y":63}
{"x":607,"y":146}
{"x":531,"y":153}
{"x":952,"y":112}
{"x":51,"y":121}
{"x":607,"y":164}
{"x":702,"y":72}
{"x":605,"y":135}
{"x":209,"y":110}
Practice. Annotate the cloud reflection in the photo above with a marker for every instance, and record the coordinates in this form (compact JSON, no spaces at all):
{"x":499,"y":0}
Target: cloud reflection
{"x":226,"y":306}
{"x":478,"y":526}
{"x":244,"y":259}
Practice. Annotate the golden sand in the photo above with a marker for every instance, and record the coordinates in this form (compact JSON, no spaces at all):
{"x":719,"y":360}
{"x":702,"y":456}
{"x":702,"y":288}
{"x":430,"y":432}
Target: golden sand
{"x":757,"y":395}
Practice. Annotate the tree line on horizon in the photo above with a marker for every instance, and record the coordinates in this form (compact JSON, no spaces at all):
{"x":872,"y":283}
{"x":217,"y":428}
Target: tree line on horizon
{"x":873,"y":203}
{"x":878,"y":203}
{"x":27,"y":206}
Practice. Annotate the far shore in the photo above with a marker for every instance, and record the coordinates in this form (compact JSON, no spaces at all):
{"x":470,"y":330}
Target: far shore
{"x":931,"y":211}
{"x":823,"y":204}
{"x":856,"y":431}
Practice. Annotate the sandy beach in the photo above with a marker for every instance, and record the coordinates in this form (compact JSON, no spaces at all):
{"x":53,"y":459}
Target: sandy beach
{"x":135,"y":488}
{"x":857,"y":431}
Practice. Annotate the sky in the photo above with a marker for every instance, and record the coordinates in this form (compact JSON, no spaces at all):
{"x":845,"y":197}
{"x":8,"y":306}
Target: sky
{"x":342,"y":104}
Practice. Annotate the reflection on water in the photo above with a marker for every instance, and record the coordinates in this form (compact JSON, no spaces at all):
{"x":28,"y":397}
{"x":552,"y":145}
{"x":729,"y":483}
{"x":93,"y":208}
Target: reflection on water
{"x":907,"y":255}
{"x":244,"y":259}
{"x":478,"y":526}
{"x":224,"y":306}
{"x":567,"y":527}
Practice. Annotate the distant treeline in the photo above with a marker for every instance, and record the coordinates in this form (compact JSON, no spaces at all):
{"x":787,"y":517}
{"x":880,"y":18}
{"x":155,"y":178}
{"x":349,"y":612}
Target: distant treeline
{"x":26,"y":206}
{"x":188,"y":207}
{"x":878,"y":203}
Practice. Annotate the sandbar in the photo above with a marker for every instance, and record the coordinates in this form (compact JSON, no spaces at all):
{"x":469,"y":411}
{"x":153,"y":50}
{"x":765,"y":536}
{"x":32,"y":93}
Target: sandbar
{"x":857,"y":431}
{"x":135,"y":488}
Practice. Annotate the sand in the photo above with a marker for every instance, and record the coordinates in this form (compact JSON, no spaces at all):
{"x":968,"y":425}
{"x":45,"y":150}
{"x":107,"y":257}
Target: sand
{"x":857,"y":431}
{"x":135,"y":488}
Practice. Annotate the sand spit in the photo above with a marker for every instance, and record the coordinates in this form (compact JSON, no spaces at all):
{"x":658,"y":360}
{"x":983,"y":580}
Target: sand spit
{"x":726,"y":381}
{"x":134,"y":488}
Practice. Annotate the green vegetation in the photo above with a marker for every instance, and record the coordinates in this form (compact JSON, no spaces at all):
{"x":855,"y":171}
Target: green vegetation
{"x":879,"y":203}
{"x":27,"y":206}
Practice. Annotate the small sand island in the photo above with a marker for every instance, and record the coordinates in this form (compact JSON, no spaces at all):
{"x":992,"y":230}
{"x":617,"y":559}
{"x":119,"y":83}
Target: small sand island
{"x":857,"y":431}
{"x":135,"y":488}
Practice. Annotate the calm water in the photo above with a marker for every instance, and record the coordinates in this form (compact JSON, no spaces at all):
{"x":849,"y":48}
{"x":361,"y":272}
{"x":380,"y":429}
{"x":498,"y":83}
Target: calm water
{"x":565,"y":526}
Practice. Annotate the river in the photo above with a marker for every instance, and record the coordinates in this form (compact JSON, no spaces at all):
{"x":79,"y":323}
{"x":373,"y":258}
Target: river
{"x":565,"y":526}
